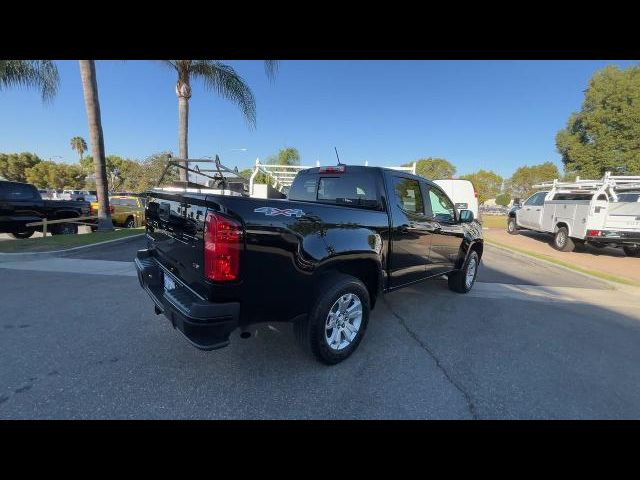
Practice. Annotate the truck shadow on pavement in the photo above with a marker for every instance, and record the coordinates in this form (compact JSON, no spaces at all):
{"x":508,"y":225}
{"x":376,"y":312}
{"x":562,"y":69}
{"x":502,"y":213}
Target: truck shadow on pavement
{"x":584,"y":249}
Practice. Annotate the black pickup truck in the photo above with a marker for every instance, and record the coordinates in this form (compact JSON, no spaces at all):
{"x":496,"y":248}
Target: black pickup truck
{"x":320,"y":258}
{"x":21,"y":203}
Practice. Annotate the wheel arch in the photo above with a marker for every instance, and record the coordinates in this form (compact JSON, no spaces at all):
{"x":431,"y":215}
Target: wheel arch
{"x":562,"y":224}
{"x":367,"y":270}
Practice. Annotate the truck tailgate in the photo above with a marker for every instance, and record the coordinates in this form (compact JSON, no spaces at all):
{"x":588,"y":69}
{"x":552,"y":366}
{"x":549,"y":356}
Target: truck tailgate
{"x":175,"y":224}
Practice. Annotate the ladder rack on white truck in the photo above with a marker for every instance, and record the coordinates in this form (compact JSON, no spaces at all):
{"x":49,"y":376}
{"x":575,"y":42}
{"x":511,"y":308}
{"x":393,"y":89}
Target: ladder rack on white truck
{"x":591,"y":212}
{"x":608,"y":184}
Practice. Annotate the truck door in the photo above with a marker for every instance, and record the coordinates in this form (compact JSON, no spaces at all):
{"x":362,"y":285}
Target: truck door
{"x":410,"y":232}
{"x":530,"y":215}
{"x":446,"y":234}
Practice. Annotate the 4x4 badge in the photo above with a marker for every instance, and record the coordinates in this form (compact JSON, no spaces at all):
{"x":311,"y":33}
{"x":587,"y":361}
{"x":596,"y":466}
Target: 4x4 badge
{"x":287,"y":212}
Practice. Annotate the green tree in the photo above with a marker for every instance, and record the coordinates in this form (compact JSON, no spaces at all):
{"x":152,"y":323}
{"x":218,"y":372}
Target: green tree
{"x":13,"y":165}
{"x":218,"y":78}
{"x":604,"y":134}
{"x":487,"y":183}
{"x":433,"y":168}
{"x":286,"y":156}
{"x":92,"y":105}
{"x":150,"y":171}
{"x":521,"y":182}
{"x":40,"y":74}
{"x":79,"y":145}
{"x":49,"y":174}
{"x":246,"y":173}
{"x":503,"y":199}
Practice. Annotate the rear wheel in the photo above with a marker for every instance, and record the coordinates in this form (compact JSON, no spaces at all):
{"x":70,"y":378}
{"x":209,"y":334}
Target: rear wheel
{"x":65,"y":229}
{"x":631,"y":251}
{"x":462,"y":280}
{"x":562,"y":241}
{"x":336,"y":324}
{"x":512,"y":226}
{"x":130,"y":223}
{"x":21,"y":235}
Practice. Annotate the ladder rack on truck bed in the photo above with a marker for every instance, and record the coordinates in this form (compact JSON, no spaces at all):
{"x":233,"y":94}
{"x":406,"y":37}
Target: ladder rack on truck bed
{"x":609,"y":184}
{"x":233,"y":184}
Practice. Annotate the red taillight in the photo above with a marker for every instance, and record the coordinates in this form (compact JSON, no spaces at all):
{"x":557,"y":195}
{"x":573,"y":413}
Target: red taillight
{"x":111,"y":210}
{"x":337,"y":169}
{"x":593,"y":233}
{"x":222,"y":238}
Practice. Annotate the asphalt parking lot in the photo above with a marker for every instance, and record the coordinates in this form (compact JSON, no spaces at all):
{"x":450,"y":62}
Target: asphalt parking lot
{"x":530,"y":341}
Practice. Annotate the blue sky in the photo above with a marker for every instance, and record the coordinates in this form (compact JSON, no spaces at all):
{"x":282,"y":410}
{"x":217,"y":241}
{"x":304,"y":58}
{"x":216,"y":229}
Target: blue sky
{"x":494,"y":115}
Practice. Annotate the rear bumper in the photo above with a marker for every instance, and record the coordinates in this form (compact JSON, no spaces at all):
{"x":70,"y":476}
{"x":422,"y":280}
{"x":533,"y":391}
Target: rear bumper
{"x":206,"y":325}
{"x":616,"y":237}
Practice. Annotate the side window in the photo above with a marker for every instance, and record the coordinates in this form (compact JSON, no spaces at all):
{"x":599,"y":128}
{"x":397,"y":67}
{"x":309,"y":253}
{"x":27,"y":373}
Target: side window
{"x":18,"y":191}
{"x":441,"y":206}
{"x":540,"y":199}
{"x":532,"y":199}
{"x":408,"y":195}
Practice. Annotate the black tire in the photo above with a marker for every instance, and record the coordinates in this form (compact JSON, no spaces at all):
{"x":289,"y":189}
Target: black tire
{"x":512,"y":226}
{"x":562,"y":241}
{"x":631,"y":251}
{"x":458,"y":281}
{"x":65,"y":229}
{"x":21,"y":235}
{"x":311,"y":332}
{"x":130,"y":223}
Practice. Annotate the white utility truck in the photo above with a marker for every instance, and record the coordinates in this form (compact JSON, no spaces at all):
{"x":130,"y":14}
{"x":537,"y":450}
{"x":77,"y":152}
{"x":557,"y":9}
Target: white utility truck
{"x":601,"y":213}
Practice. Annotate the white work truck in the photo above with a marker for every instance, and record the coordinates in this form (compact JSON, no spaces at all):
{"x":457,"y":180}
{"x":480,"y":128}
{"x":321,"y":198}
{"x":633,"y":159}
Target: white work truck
{"x":603,"y":212}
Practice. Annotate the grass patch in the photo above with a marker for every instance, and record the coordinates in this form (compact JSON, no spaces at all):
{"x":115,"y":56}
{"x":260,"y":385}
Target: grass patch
{"x":595,"y":273}
{"x":62,"y":242}
{"x":494,"y":221}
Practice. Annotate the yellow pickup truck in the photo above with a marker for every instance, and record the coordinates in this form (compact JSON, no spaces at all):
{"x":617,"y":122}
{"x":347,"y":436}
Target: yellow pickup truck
{"x":126,"y":211}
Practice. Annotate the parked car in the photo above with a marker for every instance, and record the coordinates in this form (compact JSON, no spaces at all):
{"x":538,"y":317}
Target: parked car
{"x":600,"y":213}
{"x":128,"y":211}
{"x":462,"y":193}
{"x":320,"y":259}
{"x":21,"y":203}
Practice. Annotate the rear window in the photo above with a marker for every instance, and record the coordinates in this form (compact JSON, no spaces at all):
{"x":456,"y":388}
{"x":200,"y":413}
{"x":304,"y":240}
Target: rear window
{"x":573,"y":196}
{"x":352,"y":190}
{"x":304,"y":188}
{"x":17,"y":191}
{"x":629,"y":197}
{"x":123,"y":201}
{"x":357,"y":190}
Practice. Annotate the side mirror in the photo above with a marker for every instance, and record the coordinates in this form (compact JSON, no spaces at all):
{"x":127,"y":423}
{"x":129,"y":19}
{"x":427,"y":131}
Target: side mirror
{"x":466,"y":216}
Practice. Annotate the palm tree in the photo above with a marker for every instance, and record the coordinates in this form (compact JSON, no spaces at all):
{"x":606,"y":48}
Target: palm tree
{"x":218,"y":78}
{"x":92,"y":104}
{"x":41,"y":74}
{"x":79,"y":145}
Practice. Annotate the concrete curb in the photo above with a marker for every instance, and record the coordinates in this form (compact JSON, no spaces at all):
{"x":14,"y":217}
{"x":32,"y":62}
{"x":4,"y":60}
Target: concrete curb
{"x":12,"y":257}
{"x":613,"y":285}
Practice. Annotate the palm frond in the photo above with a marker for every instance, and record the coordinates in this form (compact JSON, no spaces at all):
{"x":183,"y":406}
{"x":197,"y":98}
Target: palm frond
{"x":169,"y":63}
{"x":224,"y":80}
{"x":271,"y":68}
{"x":41,"y":74}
